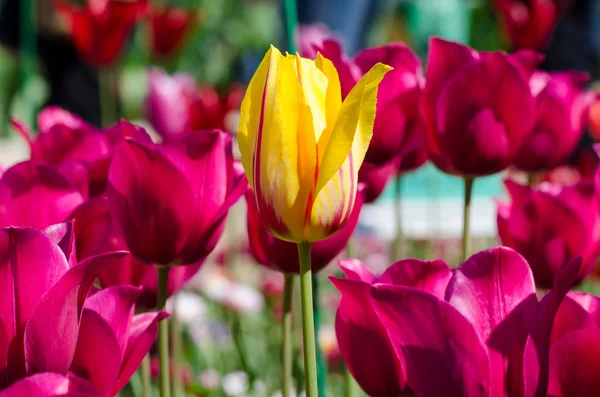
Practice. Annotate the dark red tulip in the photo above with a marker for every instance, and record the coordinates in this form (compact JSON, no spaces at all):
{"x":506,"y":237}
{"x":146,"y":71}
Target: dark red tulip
{"x":560,"y":118}
{"x":550,"y":224}
{"x":477,"y":107}
{"x":64,"y":139}
{"x":398,"y":125}
{"x":100,"y":28}
{"x":281,"y":255}
{"x":424,"y":330}
{"x":50,"y":324}
{"x":530,"y":24}
{"x":170,"y":27}
{"x":38,"y":195}
{"x":176,"y":105}
{"x":97,"y":234}
{"x":178,"y":193}
{"x":375,"y":178}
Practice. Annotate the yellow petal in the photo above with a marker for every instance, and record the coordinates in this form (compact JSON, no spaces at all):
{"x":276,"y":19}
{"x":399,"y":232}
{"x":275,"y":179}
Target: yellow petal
{"x":353,"y":128}
{"x":333,"y":100}
{"x":250,"y":114}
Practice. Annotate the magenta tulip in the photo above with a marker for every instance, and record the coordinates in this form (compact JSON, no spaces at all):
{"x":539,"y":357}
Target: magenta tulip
{"x":477,"y":107}
{"x":64,"y":139}
{"x":176,"y":105}
{"x":48,"y":384}
{"x":97,"y":234}
{"x":281,"y":255}
{"x":550,"y":224}
{"x":421,"y":328}
{"x":178,"y":194}
{"x":560,"y":117}
{"x":36,"y":194}
{"x":375,"y":178}
{"x":310,"y":37}
{"x":398,"y":125}
{"x":48,"y":324}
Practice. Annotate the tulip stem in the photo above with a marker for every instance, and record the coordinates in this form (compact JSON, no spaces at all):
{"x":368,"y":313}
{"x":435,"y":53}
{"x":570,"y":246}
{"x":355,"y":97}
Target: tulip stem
{"x":291,"y":20}
{"x":321,"y":367}
{"x":146,"y":377}
{"x":351,"y":390}
{"x":466,"y":236}
{"x":286,"y":352}
{"x":177,"y":390}
{"x":163,"y":334}
{"x":308,"y":326}
{"x":108,"y":99}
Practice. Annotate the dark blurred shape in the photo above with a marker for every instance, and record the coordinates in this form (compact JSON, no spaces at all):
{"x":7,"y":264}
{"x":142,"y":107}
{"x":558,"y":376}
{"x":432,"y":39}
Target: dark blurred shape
{"x":73,"y":84}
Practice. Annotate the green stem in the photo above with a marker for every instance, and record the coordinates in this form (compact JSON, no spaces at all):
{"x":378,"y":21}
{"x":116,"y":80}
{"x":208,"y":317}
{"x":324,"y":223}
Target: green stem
{"x":291,"y":20}
{"x":108,"y":100}
{"x":321,"y":364}
{"x":176,"y":343}
{"x":236,"y":332}
{"x":351,"y":390}
{"x":308,"y":326}
{"x":287,"y":349}
{"x":146,"y":377}
{"x":163,"y":334}
{"x":466,"y":236}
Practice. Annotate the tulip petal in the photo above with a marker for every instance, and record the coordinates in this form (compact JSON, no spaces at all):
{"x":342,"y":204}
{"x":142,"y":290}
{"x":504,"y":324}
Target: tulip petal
{"x":116,"y":305}
{"x":333,"y":99}
{"x":30,"y":264}
{"x":49,"y":384}
{"x":427,"y":276}
{"x":52,"y":329}
{"x":536,"y":354}
{"x":139,"y":201}
{"x":97,"y":356}
{"x":144,"y":328}
{"x":364,"y":343}
{"x":575,"y":364}
{"x":570,"y":317}
{"x":356,"y":270}
{"x":38,"y":195}
{"x":591,"y":303}
{"x":63,"y":235}
{"x":439,"y":348}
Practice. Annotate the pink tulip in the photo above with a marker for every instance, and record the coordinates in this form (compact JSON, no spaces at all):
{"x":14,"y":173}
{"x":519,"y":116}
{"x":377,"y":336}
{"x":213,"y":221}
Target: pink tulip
{"x":97,"y":234}
{"x":281,"y":255}
{"x":398,"y":125}
{"x":550,"y":224}
{"x":310,"y":37}
{"x":375,"y":178}
{"x":176,"y":105}
{"x":36,"y":194}
{"x":476,"y":331}
{"x":477,"y":107}
{"x":530,"y":24}
{"x":178,"y":194}
{"x":65,"y":140}
{"x":560,"y":118}
{"x":48,"y":324}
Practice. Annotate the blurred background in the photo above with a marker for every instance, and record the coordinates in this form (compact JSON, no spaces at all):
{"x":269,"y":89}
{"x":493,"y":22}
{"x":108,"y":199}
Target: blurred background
{"x":50,"y":55}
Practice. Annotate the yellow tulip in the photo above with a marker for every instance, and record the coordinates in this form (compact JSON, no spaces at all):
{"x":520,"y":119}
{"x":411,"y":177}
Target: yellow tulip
{"x":301,"y":146}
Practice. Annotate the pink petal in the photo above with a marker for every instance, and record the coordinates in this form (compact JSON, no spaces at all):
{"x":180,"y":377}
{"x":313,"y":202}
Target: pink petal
{"x":30,"y":264}
{"x":38,"y":195}
{"x":364,"y":343}
{"x":589,"y":302}
{"x":52,"y":328}
{"x":97,"y":356}
{"x":427,"y":276}
{"x":142,"y":335}
{"x":116,"y":305}
{"x":139,"y":201}
{"x":438,"y":347}
{"x":356,"y":270}
{"x":63,"y":235}
{"x":570,"y":317}
{"x":575,"y":364}
{"x":49,"y":384}
{"x":536,"y":355}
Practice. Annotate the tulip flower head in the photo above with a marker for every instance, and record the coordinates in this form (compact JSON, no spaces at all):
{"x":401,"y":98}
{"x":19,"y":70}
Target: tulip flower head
{"x":550,"y":224}
{"x":170,"y":28}
{"x":302,"y":147}
{"x":560,"y":118}
{"x":477,"y":107}
{"x":423,"y":329}
{"x":101,"y":27}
